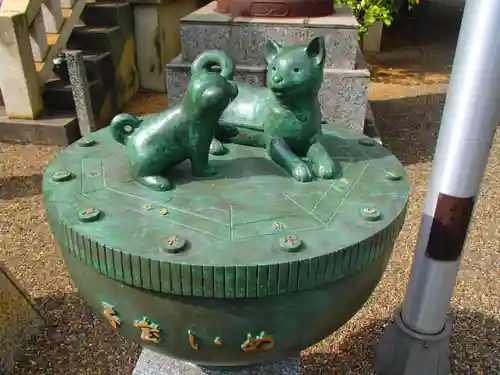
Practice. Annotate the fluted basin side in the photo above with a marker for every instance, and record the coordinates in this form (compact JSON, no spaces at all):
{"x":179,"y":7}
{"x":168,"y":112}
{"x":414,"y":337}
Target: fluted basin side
{"x":295,"y":320}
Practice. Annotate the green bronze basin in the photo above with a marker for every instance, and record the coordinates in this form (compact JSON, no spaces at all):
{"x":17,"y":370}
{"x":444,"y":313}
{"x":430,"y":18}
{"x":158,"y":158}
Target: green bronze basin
{"x":242,"y":268}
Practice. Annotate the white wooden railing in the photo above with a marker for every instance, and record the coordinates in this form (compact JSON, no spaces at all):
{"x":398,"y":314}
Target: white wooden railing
{"x":32,"y":33}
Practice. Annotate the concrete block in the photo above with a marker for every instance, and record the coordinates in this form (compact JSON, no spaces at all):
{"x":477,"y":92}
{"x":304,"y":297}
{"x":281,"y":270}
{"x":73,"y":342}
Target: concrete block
{"x":372,"y":41}
{"x":343,"y":96}
{"x":19,"y":81}
{"x":57,"y":128}
{"x":244,"y":38}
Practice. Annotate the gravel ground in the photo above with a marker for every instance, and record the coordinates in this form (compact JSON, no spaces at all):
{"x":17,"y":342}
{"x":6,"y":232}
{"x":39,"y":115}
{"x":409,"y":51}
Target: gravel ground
{"x":407,"y":95}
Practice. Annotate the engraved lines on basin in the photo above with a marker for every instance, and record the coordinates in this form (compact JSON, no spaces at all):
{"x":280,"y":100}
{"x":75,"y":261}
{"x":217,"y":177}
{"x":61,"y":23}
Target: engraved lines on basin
{"x":320,"y":215}
{"x":348,"y":193}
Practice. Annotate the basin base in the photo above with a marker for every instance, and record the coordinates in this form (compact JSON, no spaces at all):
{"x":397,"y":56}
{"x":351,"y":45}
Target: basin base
{"x":404,"y":352}
{"x":151,"y":363}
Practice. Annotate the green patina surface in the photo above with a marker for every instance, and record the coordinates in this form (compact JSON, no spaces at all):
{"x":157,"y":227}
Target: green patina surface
{"x":232,"y":223}
{"x":222,"y":268}
{"x":249,"y":250}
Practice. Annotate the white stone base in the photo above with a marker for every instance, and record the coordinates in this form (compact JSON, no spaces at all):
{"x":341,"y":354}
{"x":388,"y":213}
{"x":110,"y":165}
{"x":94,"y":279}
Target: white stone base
{"x":151,"y":363}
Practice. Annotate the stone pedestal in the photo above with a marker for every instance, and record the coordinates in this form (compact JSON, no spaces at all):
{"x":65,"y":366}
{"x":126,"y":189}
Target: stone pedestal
{"x":151,"y":363}
{"x":343,"y":96}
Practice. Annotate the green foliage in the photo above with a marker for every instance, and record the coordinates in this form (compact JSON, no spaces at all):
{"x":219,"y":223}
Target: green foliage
{"x":368,"y":12}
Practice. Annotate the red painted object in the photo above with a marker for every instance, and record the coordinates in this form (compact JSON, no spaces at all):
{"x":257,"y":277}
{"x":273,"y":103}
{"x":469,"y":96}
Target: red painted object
{"x":276,"y":8}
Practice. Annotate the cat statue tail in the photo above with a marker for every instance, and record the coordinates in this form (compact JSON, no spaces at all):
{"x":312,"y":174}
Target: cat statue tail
{"x":209,"y":60}
{"x":123,"y":126}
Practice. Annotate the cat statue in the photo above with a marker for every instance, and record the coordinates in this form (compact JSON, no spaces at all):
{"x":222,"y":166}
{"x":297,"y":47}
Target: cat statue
{"x":284,"y":117}
{"x":155,"y":143}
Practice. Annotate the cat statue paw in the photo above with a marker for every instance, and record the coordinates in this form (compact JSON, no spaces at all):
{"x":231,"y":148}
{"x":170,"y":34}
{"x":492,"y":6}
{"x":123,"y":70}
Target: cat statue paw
{"x":157,"y":142}
{"x":302,"y":173}
{"x":217,"y":148}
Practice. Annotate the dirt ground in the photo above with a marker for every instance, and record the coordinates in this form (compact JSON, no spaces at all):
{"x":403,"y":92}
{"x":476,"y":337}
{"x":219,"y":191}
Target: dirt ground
{"x":407,"y":96}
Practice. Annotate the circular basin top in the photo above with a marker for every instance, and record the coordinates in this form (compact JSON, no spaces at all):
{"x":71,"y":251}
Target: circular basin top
{"x":250,"y":231}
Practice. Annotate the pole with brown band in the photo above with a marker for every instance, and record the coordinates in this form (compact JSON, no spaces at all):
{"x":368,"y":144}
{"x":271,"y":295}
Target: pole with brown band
{"x":417,"y":342}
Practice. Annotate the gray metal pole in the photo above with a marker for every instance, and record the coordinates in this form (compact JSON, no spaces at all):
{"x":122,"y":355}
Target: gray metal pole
{"x":417,"y":342}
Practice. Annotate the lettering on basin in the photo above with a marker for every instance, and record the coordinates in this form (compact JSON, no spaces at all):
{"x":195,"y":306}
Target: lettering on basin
{"x":259,"y":343}
{"x":111,"y":314}
{"x":277,"y":226}
{"x":192,"y":340}
{"x":150,"y":331}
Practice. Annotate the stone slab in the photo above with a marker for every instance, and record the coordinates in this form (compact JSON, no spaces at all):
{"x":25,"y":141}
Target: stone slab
{"x":151,"y":363}
{"x":244,"y":38}
{"x":57,"y":128}
{"x":343,"y":96}
{"x":19,"y":318}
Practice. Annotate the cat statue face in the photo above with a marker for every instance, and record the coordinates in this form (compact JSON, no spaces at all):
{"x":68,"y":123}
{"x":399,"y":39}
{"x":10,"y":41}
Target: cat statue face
{"x":295,"y":69}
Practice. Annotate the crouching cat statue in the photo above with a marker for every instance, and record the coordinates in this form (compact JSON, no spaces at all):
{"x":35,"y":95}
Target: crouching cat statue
{"x":284,"y":117}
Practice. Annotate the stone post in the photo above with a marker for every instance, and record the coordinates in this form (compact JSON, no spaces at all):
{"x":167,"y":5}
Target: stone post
{"x":19,"y":80}
{"x":81,"y":92}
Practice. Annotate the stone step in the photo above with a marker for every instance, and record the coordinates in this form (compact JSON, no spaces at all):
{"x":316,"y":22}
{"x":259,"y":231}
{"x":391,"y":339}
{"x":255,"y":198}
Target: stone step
{"x":53,"y":128}
{"x":108,"y":13}
{"x":59,"y":95}
{"x":98,"y":66}
{"x":98,"y":39}
{"x":117,"y":70}
{"x":244,"y":38}
{"x":343,"y":96}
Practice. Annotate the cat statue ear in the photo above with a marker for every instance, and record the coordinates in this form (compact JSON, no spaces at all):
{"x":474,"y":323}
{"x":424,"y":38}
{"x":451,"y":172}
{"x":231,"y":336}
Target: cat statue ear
{"x":272,"y":49}
{"x":316,"y":50}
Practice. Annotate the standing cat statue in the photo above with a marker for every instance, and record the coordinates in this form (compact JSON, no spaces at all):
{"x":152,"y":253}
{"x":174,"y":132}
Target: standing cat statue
{"x":155,"y":143}
{"x":284,"y":117}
